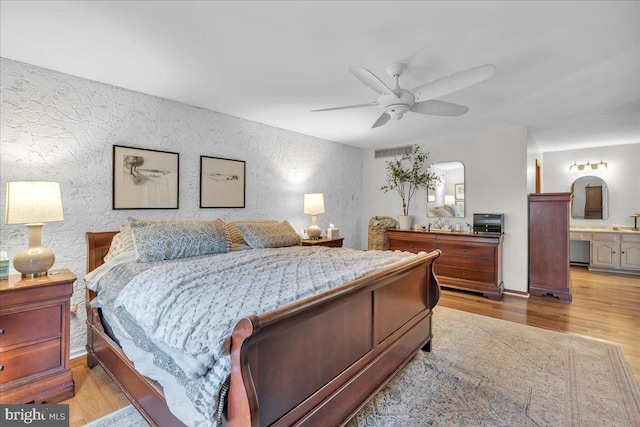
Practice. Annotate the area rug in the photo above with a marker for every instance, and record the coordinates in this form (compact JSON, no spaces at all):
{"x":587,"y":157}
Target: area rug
{"x":490,"y":372}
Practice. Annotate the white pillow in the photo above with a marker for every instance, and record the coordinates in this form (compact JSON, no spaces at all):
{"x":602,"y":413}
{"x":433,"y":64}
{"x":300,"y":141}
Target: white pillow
{"x":121,"y":244}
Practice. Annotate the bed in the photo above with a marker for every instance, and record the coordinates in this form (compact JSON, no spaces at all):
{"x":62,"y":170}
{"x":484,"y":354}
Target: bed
{"x":313,"y":361}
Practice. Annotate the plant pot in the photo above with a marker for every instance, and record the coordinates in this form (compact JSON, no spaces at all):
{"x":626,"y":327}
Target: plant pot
{"x":405,"y":222}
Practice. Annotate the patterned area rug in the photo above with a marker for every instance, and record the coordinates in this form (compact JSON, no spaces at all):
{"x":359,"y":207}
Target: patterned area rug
{"x":489,"y":372}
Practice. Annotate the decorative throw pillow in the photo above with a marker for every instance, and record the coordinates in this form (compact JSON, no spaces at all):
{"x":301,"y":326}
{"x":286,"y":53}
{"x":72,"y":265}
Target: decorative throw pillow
{"x":161,"y":240}
{"x":122,"y":243}
{"x":269,"y":234}
{"x":127,"y":238}
{"x":116,"y":248}
{"x":235,"y":237}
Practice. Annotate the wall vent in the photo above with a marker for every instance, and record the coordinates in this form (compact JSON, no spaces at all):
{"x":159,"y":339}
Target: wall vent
{"x":393,"y":152}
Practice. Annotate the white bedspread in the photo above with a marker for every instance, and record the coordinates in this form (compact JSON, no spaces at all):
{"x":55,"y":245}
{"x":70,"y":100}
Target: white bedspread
{"x":183,"y":311}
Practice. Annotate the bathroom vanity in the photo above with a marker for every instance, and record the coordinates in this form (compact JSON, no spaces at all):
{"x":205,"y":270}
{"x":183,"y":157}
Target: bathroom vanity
{"x":611,"y":250}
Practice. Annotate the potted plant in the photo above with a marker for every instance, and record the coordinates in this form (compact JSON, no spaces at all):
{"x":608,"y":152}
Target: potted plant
{"x":406,"y":175}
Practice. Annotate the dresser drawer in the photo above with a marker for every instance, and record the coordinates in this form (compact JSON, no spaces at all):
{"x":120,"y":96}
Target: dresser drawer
{"x":411,"y":246}
{"x":480,"y":264}
{"x":29,"y":360}
{"x":467,"y":250}
{"x":463,"y":273}
{"x":30,"y":325}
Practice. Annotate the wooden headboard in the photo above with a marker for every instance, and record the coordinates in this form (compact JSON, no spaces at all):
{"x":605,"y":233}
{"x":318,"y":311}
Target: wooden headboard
{"x":97,"y":248}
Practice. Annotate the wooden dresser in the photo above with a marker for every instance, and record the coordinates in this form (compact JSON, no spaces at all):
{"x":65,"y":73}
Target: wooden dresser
{"x":34,"y":338}
{"x":471,"y":262}
{"x":549,"y":245}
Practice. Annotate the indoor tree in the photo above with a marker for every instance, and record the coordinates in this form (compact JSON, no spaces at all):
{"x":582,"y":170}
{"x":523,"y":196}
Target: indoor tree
{"x":408,"y":174}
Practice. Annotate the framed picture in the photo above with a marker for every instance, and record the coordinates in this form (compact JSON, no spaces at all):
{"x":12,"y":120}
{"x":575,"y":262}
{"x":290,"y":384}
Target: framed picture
{"x":222,"y":183}
{"x":459,"y":189}
{"x":431,"y":194}
{"x":460,"y":206}
{"x":144,"y":179}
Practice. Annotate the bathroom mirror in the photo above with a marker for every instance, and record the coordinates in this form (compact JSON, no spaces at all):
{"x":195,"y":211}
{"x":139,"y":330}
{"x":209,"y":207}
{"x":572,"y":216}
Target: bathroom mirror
{"x":589,"y":198}
{"x":448,"y":197}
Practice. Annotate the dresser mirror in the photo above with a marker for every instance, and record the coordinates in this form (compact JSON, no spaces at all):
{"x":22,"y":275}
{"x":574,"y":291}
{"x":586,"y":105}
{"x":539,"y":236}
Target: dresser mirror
{"x":448,"y":197}
{"x":589,"y":198}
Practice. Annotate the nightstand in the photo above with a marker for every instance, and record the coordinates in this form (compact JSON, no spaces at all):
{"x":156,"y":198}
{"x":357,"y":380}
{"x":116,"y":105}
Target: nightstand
{"x":324,"y":241}
{"x":34,"y":338}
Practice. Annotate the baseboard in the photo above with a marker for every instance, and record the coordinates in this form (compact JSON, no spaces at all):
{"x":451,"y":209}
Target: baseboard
{"x":78,"y":359}
{"x":519,"y":294}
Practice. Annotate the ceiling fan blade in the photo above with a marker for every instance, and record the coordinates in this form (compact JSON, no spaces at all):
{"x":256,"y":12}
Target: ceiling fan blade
{"x":370,"y":79}
{"x":453,"y":82}
{"x":346,"y":106}
{"x":439,"y":108}
{"x":384,"y":118}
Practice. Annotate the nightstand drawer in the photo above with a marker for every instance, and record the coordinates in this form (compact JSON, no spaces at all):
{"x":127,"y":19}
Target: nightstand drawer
{"x":29,"y":360}
{"x":324,"y":241}
{"x":30,"y":325}
{"x":467,"y":250}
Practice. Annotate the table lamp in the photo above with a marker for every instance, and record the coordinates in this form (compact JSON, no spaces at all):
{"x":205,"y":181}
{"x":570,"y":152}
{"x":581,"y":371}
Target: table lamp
{"x":33,"y":203}
{"x":313,"y":205}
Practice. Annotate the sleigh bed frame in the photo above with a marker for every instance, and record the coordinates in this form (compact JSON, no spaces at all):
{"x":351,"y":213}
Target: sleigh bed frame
{"x":314,"y":362}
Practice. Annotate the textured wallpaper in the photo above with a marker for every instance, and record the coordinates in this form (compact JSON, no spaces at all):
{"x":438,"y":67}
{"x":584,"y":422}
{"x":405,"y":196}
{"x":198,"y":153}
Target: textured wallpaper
{"x":57,"y":127}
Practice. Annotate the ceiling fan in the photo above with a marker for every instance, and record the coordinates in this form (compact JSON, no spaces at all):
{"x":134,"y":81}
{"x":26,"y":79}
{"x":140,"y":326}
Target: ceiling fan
{"x":421,"y":99}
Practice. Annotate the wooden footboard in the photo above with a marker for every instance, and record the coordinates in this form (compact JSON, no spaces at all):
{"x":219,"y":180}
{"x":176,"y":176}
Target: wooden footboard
{"x":314,"y":362}
{"x":317,"y":361}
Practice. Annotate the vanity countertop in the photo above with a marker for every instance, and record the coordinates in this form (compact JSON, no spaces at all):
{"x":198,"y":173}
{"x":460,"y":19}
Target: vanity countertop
{"x":595,"y":229}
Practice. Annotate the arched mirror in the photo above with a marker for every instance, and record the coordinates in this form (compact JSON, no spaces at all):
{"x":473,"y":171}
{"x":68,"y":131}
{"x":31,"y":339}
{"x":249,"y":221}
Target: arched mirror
{"x":589,"y":198}
{"x":448,"y":197}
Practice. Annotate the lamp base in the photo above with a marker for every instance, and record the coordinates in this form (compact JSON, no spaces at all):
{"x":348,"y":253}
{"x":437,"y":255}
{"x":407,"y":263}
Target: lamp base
{"x":33,"y":262}
{"x":314,"y":232}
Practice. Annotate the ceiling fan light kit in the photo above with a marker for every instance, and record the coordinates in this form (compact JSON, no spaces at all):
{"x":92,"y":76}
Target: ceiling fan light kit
{"x":398,"y":101}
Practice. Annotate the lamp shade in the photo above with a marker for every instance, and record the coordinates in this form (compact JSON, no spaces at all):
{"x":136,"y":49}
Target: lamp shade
{"x":33,"y":202}
{"x":313,"y":204}
{"x":449,"y":200}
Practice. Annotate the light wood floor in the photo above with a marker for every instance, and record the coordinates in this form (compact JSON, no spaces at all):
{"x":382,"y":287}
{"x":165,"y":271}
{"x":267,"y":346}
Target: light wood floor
{"x":605,"y":306}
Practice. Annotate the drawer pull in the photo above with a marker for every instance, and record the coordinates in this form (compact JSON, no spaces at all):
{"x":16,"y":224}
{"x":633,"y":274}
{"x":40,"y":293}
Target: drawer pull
{"x":1,"y":367}
{"x":1,"y":331}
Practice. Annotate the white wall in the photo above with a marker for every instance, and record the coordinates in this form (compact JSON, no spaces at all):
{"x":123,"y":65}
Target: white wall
{"x":495,"y":182}
{"x":62,"y":128}
{"x":622,"y":177}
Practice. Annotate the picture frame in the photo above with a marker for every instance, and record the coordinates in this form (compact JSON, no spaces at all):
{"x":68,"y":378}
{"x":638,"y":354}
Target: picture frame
{"x":431,"y":194}
{"x":460,"y":206}
{"x":459,"y":191}
{"x":222,"y":182}
{"x":144,"y":178}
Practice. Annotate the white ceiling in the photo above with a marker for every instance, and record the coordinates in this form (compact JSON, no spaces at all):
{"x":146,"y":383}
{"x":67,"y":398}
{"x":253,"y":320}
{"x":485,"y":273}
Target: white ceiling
{"x":568,"y":70}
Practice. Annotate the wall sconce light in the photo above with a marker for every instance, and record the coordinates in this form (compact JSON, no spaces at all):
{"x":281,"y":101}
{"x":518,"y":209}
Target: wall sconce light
{"x":33,"y":203}
{"x":314,"y":205}
{"x":588,"y":166}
